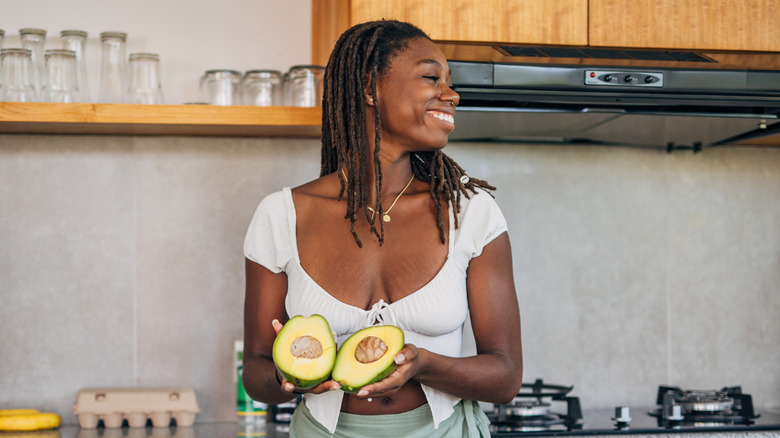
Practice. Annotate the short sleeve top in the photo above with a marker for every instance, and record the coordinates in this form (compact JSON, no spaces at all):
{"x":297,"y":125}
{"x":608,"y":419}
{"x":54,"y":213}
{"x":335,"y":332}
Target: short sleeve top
{"x":431,"y":317}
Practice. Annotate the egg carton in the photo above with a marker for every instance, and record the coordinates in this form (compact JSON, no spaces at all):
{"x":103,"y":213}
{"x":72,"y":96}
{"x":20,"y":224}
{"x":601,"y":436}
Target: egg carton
{"x":136,"y":405}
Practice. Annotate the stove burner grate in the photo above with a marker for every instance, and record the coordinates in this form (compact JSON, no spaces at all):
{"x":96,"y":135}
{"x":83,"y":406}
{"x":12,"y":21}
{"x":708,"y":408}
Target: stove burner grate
{"x":531,"y":409}
{"x":703,"y":408}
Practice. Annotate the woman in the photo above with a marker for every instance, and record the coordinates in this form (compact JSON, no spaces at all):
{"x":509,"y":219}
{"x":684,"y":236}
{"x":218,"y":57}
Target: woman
{"x":393,"y":232}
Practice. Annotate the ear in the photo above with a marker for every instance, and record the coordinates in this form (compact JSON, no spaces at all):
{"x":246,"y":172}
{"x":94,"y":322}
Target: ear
{"x":368,"y":97}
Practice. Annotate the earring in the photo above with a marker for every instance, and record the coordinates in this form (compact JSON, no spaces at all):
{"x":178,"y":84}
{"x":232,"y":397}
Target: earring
{"x":371,"y":100}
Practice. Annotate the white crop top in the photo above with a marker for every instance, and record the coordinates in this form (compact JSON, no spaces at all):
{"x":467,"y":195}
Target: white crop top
{"x":431,"y":317}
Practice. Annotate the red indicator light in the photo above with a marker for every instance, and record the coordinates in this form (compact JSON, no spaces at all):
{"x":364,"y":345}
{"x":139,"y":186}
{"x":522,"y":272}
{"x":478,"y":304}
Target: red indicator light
{"x":593,"y":74}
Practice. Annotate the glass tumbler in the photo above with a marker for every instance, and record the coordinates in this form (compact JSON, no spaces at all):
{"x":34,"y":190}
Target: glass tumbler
{"x":61,"y":84}
{"x":34,"y":40}
{"x":16,"y":76}
{"x":305,"y":85}
{"x":221,"y":87}
{"x":113,"y":68}
{"x":76,"y":40}
{"x":262,"y":88}
{"x":144,"y":78}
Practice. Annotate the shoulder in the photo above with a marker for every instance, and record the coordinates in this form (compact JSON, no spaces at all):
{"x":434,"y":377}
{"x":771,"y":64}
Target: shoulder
{"x":480,"y":204}
{"x":272,"y":204}
{"x":480,"y":220}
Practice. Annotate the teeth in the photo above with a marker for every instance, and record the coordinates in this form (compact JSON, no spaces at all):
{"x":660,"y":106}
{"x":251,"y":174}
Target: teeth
{"x":443,"y":116}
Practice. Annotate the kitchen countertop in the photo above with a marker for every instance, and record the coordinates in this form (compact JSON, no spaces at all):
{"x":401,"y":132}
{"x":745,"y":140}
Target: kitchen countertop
{"x":272,"y":430}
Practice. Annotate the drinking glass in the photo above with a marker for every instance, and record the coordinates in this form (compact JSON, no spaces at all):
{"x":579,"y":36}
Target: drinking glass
{"x":113,"y":68}
{"x":221,"y":87}
{"x":61,"y":84}
{"x":76,"y":40}
{"x":2,"y":37}
{"x":34,"y":40}
{"x":16,"y":76}
{"x":262,"y":87}
{"x":145,"y":87}
{"x":305,"y":83}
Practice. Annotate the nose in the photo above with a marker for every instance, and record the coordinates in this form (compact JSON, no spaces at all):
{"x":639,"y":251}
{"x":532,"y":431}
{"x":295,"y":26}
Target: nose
{"x":450,"y":95}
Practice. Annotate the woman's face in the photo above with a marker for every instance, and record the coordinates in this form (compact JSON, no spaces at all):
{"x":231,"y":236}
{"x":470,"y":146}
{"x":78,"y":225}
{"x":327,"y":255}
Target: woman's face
{"x":416,"y":102}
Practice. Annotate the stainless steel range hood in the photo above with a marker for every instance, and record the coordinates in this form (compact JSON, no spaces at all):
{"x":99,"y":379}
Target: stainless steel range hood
{"x":669,"y":108}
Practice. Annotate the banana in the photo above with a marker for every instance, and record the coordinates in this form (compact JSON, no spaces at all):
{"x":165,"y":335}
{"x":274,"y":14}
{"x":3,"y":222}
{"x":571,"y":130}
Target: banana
{"x":29,"y":421}
{"x":18,"y":411}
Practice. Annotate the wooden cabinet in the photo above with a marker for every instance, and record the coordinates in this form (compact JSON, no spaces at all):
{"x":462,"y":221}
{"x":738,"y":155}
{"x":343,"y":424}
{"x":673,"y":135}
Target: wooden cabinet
{"x":752,"y":25}
{"x":733,"y":25}
{"x":559,"y":22}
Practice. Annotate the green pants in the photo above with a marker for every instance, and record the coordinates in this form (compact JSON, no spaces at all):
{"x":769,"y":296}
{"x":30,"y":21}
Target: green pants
{"x":468,"y":421}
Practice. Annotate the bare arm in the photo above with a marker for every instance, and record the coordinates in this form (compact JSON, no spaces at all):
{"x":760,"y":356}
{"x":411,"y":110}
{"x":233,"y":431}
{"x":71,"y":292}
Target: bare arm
{"x":495,"y":373}
{"x":263,"y":305}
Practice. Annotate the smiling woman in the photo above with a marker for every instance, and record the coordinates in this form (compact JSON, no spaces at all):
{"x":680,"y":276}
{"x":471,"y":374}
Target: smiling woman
{"x":321,"y":248}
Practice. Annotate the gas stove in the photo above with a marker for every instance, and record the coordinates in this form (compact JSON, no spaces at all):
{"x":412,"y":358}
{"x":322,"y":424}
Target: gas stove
{"x":542,"y":409}
{"x":538,"y":407}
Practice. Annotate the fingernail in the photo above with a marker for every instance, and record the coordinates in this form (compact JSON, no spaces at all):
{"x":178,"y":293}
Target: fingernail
{"x":399,"y":358}
{"x":335,"y":387}
{"x":289,"y":387}
{"x":362,"y":392}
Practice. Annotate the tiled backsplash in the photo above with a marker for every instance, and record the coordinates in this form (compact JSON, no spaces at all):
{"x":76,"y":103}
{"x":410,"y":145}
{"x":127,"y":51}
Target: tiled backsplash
{"x":122,"y":263}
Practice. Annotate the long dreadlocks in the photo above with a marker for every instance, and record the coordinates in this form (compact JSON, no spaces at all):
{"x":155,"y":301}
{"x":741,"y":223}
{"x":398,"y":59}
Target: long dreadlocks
{"x":362,"y":53}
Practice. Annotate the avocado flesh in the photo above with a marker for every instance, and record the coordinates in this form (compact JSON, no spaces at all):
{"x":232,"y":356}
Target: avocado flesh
{"x":367,"y":356}
{"x":304,"y":351}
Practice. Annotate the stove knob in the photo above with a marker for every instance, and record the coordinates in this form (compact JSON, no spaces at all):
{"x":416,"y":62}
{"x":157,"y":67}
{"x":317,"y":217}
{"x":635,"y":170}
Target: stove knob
{"x":676,"y":413}
{"x":622,"y":415}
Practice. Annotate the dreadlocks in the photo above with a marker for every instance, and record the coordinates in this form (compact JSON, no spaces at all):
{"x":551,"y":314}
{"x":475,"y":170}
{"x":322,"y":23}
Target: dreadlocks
{"x":362,"y":53}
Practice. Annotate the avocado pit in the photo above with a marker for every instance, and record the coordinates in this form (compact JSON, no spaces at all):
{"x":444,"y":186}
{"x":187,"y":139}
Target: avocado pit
{"x":307,"y":347}
{"x":370,"y":349}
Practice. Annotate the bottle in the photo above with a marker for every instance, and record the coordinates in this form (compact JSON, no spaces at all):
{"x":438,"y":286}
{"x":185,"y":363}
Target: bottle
{"x":61,"y":84}
{"x":34,"y":40}
{"x":144,"y":79}
{"x":113,"y":70}
{"x":16,"y":76}
{"x":76,"y":40}
{"x":248,"y":411}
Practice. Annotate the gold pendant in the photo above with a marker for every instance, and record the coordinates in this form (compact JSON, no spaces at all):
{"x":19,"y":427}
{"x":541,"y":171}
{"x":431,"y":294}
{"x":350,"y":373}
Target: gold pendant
{"x":386,"y":218}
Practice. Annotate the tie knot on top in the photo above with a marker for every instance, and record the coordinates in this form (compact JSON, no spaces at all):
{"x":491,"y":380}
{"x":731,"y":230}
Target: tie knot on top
{"x":380,"y":314}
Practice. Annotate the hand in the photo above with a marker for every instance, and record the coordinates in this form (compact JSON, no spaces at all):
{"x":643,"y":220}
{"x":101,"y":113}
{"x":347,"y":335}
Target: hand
{"x":289,"y":388}
{"x":409,"y":364}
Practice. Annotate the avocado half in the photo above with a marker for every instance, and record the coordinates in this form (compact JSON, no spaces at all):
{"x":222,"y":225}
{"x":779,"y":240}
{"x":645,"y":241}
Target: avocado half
{"x":367,"y":356}
{"x":304,"y":351}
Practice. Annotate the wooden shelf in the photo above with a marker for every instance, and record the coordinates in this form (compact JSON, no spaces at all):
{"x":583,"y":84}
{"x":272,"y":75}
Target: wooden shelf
{"x":117,"y":119}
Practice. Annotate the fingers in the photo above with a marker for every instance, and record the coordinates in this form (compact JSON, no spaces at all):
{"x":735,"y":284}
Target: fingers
{"x":277,"y":326}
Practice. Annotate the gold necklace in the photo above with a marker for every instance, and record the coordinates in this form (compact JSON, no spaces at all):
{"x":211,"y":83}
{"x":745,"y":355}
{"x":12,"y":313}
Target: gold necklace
{"x":386,"y":214}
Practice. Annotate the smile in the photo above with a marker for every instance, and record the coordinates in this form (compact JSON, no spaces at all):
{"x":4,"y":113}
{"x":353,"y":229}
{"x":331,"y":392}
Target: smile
{"x":442,"y":116}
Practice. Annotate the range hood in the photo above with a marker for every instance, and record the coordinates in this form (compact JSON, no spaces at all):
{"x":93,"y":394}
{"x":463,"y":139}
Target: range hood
{"x":684,"y":100}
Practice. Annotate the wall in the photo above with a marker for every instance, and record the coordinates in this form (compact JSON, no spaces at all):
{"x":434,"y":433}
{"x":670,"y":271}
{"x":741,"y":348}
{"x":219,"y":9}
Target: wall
{"x":191,"y":36}
{"x":122,"y":264}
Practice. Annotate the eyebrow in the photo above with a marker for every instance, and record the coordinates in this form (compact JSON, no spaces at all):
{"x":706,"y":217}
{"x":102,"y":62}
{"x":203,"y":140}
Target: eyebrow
{"x":429,"y":61}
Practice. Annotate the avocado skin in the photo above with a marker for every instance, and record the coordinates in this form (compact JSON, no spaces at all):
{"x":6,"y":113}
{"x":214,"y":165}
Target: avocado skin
{"x":353,"y":390}
{"x":300,"y":383}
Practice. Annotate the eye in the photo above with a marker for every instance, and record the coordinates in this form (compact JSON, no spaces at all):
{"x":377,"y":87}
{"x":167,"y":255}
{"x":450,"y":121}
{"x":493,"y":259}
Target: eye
{"x":432,"y":77}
